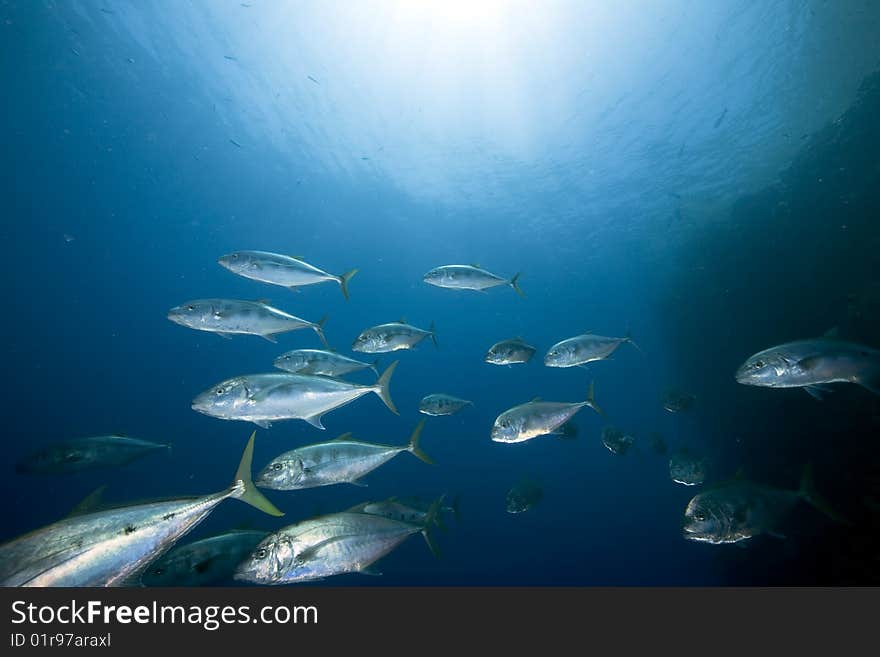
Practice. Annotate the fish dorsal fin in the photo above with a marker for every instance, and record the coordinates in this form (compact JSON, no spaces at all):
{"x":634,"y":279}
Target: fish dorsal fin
{"x":263,"y":301}
{"x":534,"y":399}
{"x":833,"y":332}
{"x":402,"y":320}
{"x":296,"y":257}
{"x":89,"y":503}
{"x":346,"y":436}
{"x":477,"y":265}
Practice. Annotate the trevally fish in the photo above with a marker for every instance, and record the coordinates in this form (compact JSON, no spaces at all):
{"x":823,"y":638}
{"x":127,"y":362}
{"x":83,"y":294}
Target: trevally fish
{"x":406,"y":510}
{"x":537,"y":418}
{"x":468,"y":277}
{"x":441,"y":404}
{"x":738,"y":510}
{"x":86,"y":454}
{"x":227,"y":317}
{"x":339,"y":461}
{"x":812,"y":364}
{"x":391,"y":337}
{"x":205,"y":561}
{"x":329,"y":545}
{"x":277,"y":269}
{"x":320,"y":363}
{"x":686,"y":467}
{"x":509,"y":352}
{"x":523,"y":496}
{"x":616,"y":440}
{"x":265,"y":398}
{"x":113,"y":547}
{"x":676,"y":401}
{"x":583,"y":349}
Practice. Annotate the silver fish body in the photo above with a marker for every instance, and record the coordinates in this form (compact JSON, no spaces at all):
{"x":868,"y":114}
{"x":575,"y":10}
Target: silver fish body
{"x":86,"y":454}
{"x":616,"y":441}
{"x":393,"y":336}
{"x":277,"y":269}
{"x":319,"y":362}
{"x":687,"y":467}
{"x":582,"y":349}
{"x":509,"y":352}
{"x":468,"y":277}
{"x":523,"y":497}
{"x":537,"y":418}
{"x":441,"y":404}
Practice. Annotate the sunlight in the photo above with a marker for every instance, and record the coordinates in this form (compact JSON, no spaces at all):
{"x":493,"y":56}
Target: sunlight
{"x":474,"y":14}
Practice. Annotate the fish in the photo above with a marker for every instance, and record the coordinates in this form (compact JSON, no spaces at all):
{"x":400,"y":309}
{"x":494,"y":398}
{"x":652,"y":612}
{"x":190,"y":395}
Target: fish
{"x":86,"y":454}
{"x":277,"y":269}
{"x":738,"y":510}
{"x":720,"y":118}
{"x":228,"y":317}
{"x":524,"y":496}
{"x":469,"y":277}
{"x":113,"y":547}
{"x":406,"y":510}
{"x":583,"y":349}
{"x":657,"y":444}
{"x":509,"y":352}
{"x":392,"y":337}
{"x":265,"y":398}
{"x":687,"y":468}
{"x":812,"y":365}
{"x":320,"y":363}
{"x":441,"y":404}
{"x":206,"y":561}
{"x":339,"y":461}
{"x":537,"y":418}
{"x":676,"y":401}
{"x":329,"y":545}
{"x":616,"y":440}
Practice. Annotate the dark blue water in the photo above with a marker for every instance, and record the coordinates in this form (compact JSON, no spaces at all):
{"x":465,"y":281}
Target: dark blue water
{"x":133,"y":158}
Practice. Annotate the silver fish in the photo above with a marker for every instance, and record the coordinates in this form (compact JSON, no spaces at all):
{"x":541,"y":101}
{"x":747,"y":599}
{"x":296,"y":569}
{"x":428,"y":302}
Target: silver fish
{"x":468,"y":277}
{"x":277,"y":269}
{"x":812,"y":364}
{"x":265,"y":398}
{"x":393,"y":336}
{"x":523,"y":496}
{"x":86,"y":454}
{"x":687,"y":468}
{"x":406,"y":510}
{"x":583,"y":349}
{"x":509,"y":352}
{"x":616,"y":440}
{"x":113,"y":547}
{"x":329,"y":545}
{"x":206,"y":561}
{"x":320,"y":363}
{"x":676,"y":401}
{"x":537,"y":418}
{"x":339,"y":461}
{"x":228,"y":317}
{"x":441,"y":404}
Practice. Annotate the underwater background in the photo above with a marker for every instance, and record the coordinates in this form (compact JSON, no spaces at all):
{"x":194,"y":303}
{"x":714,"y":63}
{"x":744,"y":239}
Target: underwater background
{"x":702,"y":174}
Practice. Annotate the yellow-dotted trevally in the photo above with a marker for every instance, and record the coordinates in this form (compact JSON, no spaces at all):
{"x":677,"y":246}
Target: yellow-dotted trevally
{"x":228,"y":317}
{"x":509,"y":352}
{"x":277,"y":269}
{"x":265,"y":398}
{"x":468,"y":277}
{"x":113,"y":547}
{"x":583,"y":349}
{"x":537,"y":418}
{"x":393,"y":336}
{"x":320,"y":362}
{"x":334,"y":544}
{"x":340,"y":461}
{"x":439,"y":403}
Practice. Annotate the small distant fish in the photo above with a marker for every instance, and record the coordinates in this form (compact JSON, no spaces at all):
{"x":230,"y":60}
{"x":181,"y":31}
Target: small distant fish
{"x":312,"y":79}
{"x":738,"y":510}
{"x":68,"y":238}
{"x":469,"y":277}
{"x":228,"y":317}
{"x":676,"y":401}
{"x":537,"y":418}
{"x":720,"y":118}
{"x":441,"y":404}
{"x":657,"y":444}
{"x":232,"y":141}
{"x":583,"y":349}
{"x":320,"y":363}
{"x":812,"y":364}
{"x":340,"y":461}
{"x":393,"y":336}
{"x":230,"y":57}
{"x":523,"y":496}
{"x":207,"y":561}
{"x":406,"y":509}
{"x":616,"y":440}
{"x":266,"y":398}
{"x":509,"y":352}
{"x":86,"y":454}
{"x":277,"y":269}
{"x":687,"y":468}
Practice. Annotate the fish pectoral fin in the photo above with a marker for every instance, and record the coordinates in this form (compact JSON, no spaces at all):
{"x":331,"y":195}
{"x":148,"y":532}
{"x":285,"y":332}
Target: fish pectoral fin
{"x":809,"y":362}
{"x":263,"y":424}
{"x":310,"y":552}
{"x":371,"y":571}
{"x":315,"y":421}
{"x":358,"y":483}
{"x":816,"y":392}
{"x":294,"y":288}
{"x":269,"y":337}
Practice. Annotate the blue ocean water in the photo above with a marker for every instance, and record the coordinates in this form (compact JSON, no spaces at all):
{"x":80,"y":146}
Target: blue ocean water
{"x":660,"y":169}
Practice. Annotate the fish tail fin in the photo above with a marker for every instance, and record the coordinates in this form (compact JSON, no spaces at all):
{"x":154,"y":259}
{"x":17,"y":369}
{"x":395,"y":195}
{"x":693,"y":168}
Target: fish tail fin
{"x":871,"y":383}
{"x":344,"y":280}
{"x":591,"y":399}
{"x":382,"y":387}
{"x":431,"y":521}
{"x":375,"y":366}
{"x":413,"y":446}
{"x":628,"y":338}
{"x":318,"y":327}
{"x":515,"y":286}
{"x":244,"y":486}
{"x":433,"y":331}
{"x":809,"y":493}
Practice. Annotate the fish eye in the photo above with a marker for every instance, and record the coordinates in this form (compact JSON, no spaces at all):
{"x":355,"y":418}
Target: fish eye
{"x":260,"y":554}
{"x":219,"y":391}
{"x":190,"y":307}
{"x":759,"y":363}
{"x":276,"y":466}
{"x":235,"y":256}
{"x":700,"y":516}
